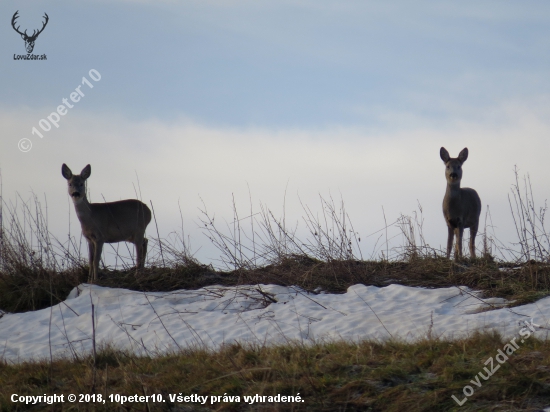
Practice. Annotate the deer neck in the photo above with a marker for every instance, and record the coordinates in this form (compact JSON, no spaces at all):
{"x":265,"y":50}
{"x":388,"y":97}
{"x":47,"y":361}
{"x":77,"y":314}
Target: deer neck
{"x":453,"y":190}
{"x":83,"y":209}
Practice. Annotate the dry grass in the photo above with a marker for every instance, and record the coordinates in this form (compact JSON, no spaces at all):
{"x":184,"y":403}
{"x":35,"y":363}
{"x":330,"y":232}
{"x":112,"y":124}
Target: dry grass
{"x":524,"y":283}
{"x":331,"y":376}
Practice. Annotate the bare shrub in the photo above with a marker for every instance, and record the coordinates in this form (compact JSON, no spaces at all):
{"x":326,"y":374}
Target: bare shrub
{"x":262,"y":238}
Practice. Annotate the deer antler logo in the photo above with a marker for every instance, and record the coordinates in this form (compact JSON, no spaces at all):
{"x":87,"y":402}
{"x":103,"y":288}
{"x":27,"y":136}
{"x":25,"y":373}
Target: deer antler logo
{"x":29,"y":40}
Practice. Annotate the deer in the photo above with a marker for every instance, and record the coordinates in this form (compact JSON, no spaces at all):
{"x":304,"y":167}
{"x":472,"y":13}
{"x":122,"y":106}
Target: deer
{"x":109,"y":222}
{"x":29,"y":40}
{"x":461,"y":206}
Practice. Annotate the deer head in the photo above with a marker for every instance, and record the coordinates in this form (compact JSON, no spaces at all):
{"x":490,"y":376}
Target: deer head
{"x":29,"y":40}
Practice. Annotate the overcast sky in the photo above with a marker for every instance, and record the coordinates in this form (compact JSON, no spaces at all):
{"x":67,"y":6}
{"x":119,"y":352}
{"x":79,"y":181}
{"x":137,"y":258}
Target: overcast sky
{"x":210,"y":99}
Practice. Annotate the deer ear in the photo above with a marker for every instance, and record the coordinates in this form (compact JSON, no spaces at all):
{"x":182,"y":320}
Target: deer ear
{"x":86,"y":172}
{"x":444,"y":154}
{"x":66,"y":172}
{"x":463,"y":155}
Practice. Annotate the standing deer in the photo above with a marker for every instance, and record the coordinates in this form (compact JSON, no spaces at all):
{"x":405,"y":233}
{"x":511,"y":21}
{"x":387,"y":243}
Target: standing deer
{"x":461,"y":206}
{"x":122,"y":221}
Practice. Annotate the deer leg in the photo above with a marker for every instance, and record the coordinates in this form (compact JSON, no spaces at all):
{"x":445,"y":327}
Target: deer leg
{"x":450,"y":238}
{"x":459,"y":233}
{"x":141,"y":250}
{"x":473,"y":233}
{"x":97,"y":257}
{"x":91,"y":248}
{"x":144,"y":253}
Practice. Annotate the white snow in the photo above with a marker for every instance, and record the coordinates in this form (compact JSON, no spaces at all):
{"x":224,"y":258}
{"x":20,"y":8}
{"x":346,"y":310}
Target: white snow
{"x":263,"y":314}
